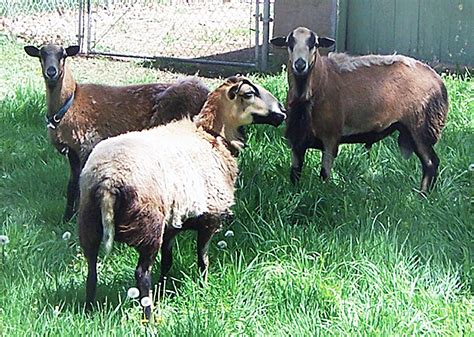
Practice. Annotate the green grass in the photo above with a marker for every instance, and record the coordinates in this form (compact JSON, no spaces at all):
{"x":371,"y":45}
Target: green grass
{"x":360,"y":255}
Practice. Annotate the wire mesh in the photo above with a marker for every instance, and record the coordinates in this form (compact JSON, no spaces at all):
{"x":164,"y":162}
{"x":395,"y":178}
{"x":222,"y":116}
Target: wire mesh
{"x":213,"y":30}
{"x":188,"y":29}
{"x":13,"y":8}
{"x":40,"y":21}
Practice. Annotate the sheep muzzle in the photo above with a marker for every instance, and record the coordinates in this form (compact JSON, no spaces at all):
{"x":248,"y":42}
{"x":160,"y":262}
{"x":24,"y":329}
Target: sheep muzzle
{"x":273,"y":118}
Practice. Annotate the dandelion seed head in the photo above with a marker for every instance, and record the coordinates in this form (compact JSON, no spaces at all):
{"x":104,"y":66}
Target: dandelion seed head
{"x":146,"y":302}
{"x":4,"y":240}
{"x":222,"y":244}
{"x":66,"y":236}
{"x":133,"y":292}
{"x":471,"y":167}
{"x":229,"y":234}
{"x":57,"y":310}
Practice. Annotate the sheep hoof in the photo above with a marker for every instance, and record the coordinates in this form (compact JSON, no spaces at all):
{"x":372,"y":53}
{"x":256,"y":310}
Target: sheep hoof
{"x":295,"y":175}
{"x":146,"y":315}
{"x":68,"y":216}
{"x":88,"y":308}
{"x":324,"y":175}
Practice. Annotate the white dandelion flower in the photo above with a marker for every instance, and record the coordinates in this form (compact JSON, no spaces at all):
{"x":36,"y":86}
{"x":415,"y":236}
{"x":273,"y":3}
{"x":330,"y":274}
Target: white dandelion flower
{"x":222,"y":244}
{"x":133,"y":292}
{"x":146,"y":302}
{"x":4,"y":240}
{"x":471,"y":167}
{"x":66,"y":236}
{"x":229,"y":234}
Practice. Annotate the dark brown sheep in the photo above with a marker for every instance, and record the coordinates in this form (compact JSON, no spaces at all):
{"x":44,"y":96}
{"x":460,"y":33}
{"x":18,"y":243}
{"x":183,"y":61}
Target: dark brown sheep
{"x":81,"y":115}
{"x":360,"y":99}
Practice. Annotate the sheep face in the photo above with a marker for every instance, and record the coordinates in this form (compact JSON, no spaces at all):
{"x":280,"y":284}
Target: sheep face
{"x":253,"y":104}
{"x":52,"y":58}
{"x":302,"y":44}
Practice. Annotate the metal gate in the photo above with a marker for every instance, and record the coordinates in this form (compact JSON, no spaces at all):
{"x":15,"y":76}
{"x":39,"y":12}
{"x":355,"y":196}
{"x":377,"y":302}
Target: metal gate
{"x":221,"y":32}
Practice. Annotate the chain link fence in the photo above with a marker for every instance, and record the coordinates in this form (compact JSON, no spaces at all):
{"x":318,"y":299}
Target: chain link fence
{"x":14,"y":8}
{"x":227,"y":32}
{"x":41,"y":21}
{"x":202,"y":31}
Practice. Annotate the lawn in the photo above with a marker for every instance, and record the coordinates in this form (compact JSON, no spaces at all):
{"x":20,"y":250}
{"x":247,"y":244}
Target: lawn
{"x":362,"y":254}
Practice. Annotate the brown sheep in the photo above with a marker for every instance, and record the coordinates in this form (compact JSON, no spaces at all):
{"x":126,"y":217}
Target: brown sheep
{"x":142,"y":188}
{"x":81,"y":115}
{"x":360,"y":99}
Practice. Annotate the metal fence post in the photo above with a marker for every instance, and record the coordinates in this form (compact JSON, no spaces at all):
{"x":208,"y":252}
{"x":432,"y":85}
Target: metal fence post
{"x":257,"y":34}
{"x":79,"y":28}
{"x":266,"y":35}
{"x":89,"y":26}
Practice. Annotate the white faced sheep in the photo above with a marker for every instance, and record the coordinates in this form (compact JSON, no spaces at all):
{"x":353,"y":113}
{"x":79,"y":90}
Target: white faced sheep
{"x":81,"y":115}
{"x":142,"y":188}
{"x":360,"y":99}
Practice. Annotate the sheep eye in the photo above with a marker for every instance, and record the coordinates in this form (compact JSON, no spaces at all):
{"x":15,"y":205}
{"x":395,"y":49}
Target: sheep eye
{"x":247,"y":95}
{"x":312,"y":41}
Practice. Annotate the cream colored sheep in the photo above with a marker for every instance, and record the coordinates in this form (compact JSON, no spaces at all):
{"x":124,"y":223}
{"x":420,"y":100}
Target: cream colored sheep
{"x":142,"y":188}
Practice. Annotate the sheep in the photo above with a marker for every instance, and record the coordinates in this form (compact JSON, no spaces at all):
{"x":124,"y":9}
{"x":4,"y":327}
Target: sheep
{"x":143,"y":188}
{"x":81,"y":115}
{"x":360,"y":99}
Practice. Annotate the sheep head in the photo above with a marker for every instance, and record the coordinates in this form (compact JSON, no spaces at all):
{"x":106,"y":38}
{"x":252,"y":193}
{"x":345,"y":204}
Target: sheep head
{"x":236,"y":103}
{"x":302,"y":44}
{"x":249,"y":103}
{"x":52,"y":58}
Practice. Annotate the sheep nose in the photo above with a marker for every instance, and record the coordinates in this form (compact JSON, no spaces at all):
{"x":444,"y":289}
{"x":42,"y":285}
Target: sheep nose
{"x":51,"y":72}
{"x":282,"y":108}
{"x":300,"y":65}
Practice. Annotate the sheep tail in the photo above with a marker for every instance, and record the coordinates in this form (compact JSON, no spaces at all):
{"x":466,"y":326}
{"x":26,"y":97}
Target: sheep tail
{"x":435,"y":111}
{"x":108,"y":223}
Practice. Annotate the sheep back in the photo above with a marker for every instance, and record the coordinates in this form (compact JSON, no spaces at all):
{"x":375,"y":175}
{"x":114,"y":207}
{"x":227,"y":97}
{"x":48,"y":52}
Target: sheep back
{"x":184,"y":98}
{"x":100,"y":112}
{"x":373,"y":92}
{"x":168,"y":174}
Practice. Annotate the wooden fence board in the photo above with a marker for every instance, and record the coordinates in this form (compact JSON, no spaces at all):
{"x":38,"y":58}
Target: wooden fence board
{"x":437,"y":31}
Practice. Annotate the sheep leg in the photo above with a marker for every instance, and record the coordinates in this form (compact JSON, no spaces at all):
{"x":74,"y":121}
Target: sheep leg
{"x":143,"y":276}
{"x":72,"y":186}
{"x":91,"y":252}
{"x":205,"y":234}
{"x":297,"y":162}
{"x":90,"y":236}
{"x":167,"y":253}
{"x":429,"y":163}
{"x":329,"y":153}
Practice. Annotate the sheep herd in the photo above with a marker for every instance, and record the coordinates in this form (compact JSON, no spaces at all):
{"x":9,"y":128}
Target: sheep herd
{"x":149,"y":161}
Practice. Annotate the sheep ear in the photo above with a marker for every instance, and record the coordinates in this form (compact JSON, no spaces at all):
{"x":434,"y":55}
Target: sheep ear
{"x":72,"y":50}
{"x":233,"y":91}
{"x":325,"y":42}
{"x":32,"y":51}
{"x":279,"y":41}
